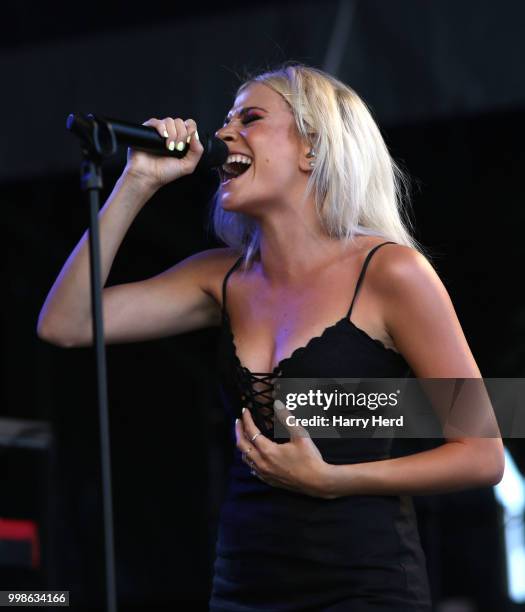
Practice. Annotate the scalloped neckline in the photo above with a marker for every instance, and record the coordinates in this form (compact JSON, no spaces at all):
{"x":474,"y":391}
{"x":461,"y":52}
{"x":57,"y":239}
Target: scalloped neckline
{"x":300,"y":349}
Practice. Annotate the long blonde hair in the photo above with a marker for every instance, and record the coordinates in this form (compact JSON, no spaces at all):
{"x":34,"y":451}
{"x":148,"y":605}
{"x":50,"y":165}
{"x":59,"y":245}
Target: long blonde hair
{"x":358,"y":187}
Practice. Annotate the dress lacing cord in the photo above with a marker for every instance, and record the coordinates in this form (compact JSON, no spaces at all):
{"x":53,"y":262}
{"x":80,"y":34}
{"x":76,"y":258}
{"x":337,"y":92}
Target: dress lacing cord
{"x":257,"y":394}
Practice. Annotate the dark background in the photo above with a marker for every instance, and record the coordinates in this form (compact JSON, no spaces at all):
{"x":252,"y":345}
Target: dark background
{"x":444,"y":82}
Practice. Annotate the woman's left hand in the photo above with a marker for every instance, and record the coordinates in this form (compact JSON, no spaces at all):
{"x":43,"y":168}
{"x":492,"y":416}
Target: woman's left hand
{"x":296,"y":465}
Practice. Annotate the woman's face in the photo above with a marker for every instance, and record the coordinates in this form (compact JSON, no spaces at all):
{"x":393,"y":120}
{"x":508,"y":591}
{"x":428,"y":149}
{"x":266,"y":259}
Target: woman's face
{"x":262,"y":127}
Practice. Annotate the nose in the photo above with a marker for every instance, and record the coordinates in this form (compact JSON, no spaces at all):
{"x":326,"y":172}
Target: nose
{"x":226,"y":133}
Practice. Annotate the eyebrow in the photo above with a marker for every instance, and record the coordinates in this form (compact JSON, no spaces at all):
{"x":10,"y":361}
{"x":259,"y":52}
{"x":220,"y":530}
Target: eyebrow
{"x":244,"y":110}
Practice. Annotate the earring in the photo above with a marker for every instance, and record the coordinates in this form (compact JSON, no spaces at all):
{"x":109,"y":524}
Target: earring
{"x":311,"y":153}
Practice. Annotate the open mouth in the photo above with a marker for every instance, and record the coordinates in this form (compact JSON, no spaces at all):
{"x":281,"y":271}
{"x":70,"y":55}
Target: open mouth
{"x":232,"y":170}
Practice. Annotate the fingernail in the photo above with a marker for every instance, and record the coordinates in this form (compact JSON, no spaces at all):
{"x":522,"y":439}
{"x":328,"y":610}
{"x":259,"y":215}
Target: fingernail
{"x":188,"y":139}
{"x":196,"y":135}
{"x":243,"y":410}
{"x":171,"y":146}
{"x":236,"y":421}
{"x":165,"y":133}
{"x":180,"y":146}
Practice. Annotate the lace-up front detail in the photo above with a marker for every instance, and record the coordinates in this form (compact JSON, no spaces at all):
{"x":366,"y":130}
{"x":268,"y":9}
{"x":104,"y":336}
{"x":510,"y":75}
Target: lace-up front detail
{"x":259,"y":393}
{"x":256,"y":389}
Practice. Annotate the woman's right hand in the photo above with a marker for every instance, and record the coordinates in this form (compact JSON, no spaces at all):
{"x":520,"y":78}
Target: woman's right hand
{"x":157,"y":170}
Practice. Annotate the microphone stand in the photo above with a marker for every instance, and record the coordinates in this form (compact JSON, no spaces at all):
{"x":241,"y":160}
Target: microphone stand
{"x":99,"y":138}
{"x":94,"y":148}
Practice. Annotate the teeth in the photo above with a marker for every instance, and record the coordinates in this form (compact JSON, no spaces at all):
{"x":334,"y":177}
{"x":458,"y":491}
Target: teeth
{"x":241,"y":159}
{"x":229,"y":170}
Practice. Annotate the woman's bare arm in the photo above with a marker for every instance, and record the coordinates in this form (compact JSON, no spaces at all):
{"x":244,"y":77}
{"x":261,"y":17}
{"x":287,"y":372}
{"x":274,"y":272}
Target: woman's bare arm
{"x":177,"y":300}
{"x":421,"y":319}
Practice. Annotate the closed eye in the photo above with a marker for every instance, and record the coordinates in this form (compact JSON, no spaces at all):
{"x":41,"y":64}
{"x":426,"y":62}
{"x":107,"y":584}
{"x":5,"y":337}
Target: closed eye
{"x":250,"y":119}
{"x":246,"y":120}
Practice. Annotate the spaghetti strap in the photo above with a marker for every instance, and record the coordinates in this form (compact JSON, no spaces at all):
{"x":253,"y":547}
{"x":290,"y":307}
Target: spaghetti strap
{"x":232,"y":269}
{"x":362,"y":274}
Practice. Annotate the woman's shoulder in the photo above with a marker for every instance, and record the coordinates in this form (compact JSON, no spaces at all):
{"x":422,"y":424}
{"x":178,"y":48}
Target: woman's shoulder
{"x":213,"y":265}
{"x":217,"y":256}
{"x":391,"y":253}
{"x":399,"y":268}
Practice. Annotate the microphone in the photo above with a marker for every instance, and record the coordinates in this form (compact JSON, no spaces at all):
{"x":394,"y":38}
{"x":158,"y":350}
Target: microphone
{"x":105,"y":135}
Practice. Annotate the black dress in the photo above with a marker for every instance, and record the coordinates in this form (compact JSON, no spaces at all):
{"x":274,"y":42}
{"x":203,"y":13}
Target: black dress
{"x":281,"y":550}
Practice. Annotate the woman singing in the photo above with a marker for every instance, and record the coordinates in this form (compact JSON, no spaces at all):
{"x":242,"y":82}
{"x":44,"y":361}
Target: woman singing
{"x":309,"y":200}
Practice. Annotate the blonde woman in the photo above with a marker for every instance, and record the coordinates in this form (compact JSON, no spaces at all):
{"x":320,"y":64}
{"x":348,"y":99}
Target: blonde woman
{"x":310,"y":201}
